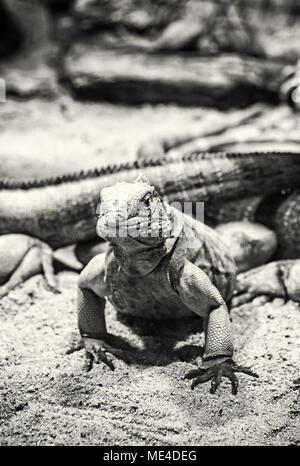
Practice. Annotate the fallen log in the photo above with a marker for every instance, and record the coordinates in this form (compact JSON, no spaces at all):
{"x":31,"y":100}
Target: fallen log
{"x":133,"y":78}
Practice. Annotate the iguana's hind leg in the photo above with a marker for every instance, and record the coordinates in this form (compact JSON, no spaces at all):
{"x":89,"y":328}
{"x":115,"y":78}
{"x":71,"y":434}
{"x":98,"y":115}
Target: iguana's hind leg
{"x":276,"y":279}
{"x":21,"y":257}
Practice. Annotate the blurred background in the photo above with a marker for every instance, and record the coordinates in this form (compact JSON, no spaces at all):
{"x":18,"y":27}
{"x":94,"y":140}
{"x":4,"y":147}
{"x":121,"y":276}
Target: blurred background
{"x":88,"y":81}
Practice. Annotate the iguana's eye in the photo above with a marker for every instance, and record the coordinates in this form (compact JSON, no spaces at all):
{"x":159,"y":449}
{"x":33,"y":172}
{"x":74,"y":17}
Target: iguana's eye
{"x":146,"y":200}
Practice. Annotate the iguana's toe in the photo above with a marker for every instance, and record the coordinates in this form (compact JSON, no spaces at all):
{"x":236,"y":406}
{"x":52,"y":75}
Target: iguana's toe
{"x":244,"y":370}
{"x":96,"y":355}
{"x":201,"y":379}
{"x":75,"y":344}
{"x":194,"y":373}
{"x":97,"y":351}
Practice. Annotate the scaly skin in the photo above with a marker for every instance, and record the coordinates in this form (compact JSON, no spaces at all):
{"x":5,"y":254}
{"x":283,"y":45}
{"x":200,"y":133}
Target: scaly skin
{"x":171,"y":266}
{"x":222,"y":180}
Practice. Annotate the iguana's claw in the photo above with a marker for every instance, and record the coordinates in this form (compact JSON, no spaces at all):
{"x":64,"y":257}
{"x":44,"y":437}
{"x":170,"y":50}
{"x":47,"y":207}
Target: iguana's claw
{"x":215,"y":373}
{"x":96,"y":352}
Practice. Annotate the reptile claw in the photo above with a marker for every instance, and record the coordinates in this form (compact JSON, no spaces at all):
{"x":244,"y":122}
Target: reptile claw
{"x":215,"y":374}
{"x":88,"y":363}
{"x":96,"y":352}
{"x":244,"y":370}
{"x":97,"y":355}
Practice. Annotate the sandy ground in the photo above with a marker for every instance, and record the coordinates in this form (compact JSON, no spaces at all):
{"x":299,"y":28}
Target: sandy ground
{"x":47,"y":400}
{"x":45,"y":397}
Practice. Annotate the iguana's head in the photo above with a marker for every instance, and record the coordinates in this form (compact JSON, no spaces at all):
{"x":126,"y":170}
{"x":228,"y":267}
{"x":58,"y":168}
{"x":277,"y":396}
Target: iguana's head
{"x":133,"y":211}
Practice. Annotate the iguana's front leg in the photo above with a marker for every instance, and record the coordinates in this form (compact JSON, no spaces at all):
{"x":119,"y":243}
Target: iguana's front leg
{"x":91,"y":319}
{"x":199,"y":294}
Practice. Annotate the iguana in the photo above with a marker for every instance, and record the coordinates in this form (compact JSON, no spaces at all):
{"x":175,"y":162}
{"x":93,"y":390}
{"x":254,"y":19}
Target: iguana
{"x":57,"y":212}
{"x":160,"y":264}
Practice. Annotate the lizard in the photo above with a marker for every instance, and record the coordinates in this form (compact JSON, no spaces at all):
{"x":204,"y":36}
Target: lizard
{"x":162,"y":263}
{"x":35,"y":208}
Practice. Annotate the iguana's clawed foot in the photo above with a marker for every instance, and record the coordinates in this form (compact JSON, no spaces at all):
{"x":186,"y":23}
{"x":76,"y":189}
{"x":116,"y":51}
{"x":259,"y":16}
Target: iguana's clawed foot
{"x":96,"y":351}
{"x":215,"y":373}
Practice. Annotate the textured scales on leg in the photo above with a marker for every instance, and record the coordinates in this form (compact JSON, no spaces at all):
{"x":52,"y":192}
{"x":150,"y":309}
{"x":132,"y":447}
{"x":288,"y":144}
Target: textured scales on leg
{"x":160,"y":264}
{"x":91,"y":321}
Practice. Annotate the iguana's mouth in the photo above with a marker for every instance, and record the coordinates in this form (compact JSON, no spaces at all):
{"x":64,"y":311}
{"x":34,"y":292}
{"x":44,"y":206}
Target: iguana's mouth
{"x":115,"y":225}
